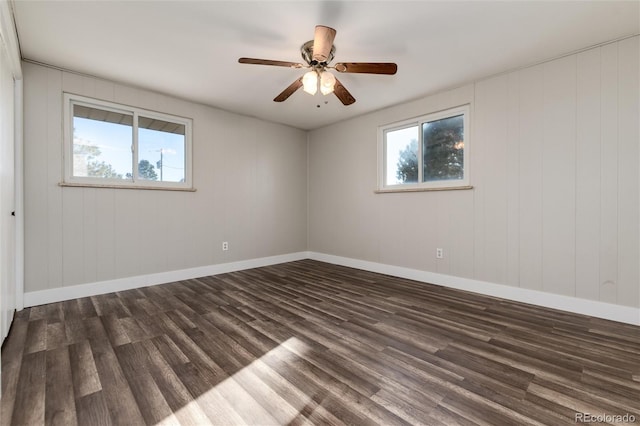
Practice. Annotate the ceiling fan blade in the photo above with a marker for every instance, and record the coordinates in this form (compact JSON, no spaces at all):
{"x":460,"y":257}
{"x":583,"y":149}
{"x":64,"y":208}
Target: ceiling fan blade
{"x":323,"y":42}
{"x":343,"y":94}
{"x":367,"y":67}
{"x":270,"y":62}
{"x":289,"y":90}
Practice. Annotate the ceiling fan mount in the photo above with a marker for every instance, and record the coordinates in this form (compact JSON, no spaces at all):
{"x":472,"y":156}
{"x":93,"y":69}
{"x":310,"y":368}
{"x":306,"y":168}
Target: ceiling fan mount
{"x":306,"y":50}
{"x":318,"y":54}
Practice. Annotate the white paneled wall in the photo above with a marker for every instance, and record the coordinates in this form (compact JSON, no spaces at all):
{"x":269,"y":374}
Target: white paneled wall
{"x":588,"y":174}
{"x":555,"y":204}
{"x":628,"y":171}
{"x":559,"y":176}
{"x":530,"y":104}
{"x":250,"y":176}
{"x":609,"y":151}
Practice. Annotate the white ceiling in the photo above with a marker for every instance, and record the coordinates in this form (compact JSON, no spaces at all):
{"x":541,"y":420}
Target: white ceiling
{"x":190,"y":49}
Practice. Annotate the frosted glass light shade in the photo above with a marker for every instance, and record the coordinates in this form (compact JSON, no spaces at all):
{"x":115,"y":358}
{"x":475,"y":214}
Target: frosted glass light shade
{"x":310,"y":82}
{"x":327,"y":82}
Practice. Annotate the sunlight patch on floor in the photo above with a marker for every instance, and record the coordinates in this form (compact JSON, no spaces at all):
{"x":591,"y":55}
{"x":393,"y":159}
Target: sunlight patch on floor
{"x":252,"y":394}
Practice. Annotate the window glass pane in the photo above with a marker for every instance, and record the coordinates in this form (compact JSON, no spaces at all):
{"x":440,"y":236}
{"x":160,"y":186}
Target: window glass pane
{"x":443,"y":149}
{"x":101,"y":143}
{"x":401,"y":154}
{"x":161,"y":150}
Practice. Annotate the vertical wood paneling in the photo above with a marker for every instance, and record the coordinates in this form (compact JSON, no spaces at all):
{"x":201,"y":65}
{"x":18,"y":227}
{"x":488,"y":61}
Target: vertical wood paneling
{"x":210,"y":160}
{"x":546,"y":210}
{"x":128,"y":95}
{"x":104,"y":208}
{"x":153,"y":236}
{"x":274,"y":163}
{"x":492,"y":101}
{"x":83,"y":235}
{"x":399,"y":222}
{"x":128,"y":245}
{"x":588,"y":194}
{"x":240,"y":206}
{"x":558,"y":177}
{"x":609,"y":173}
{"x":628,"y":172}
{"x":426,"y":235}
{"x":513,"y":179}
{"x":530,"y":165}
{"x":35,"y":181}
{"x":104,"y":90}
{"x":90,"y":240}
{"x":214,"y":183}
{"x":268,"y":156}
{"x":54,"y":206}
{"x":356,"y":195}
{"x":72,"y":237}
{"x":477,"y":177}
{"x":461,"y":234}
{"x":69,"y":237}
{"x":174,"y":228}
{"x":443,"y":233}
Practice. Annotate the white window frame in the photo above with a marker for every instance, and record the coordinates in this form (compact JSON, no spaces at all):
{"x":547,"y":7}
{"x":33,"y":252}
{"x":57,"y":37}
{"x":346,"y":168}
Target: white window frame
{"x":464,"y":183}
{"x":135,"y":183}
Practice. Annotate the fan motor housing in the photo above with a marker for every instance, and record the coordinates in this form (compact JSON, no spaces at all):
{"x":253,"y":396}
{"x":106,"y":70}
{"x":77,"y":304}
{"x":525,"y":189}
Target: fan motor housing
{"x":307,"y":54}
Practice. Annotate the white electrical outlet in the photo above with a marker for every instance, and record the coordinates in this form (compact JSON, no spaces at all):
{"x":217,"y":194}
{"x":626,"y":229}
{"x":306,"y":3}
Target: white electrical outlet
{"x":439,"y":253}
{"x":225,"y":246}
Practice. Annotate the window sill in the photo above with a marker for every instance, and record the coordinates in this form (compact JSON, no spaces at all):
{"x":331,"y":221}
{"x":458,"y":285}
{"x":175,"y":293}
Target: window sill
{"x":153,"y":188}
{"x":444,"y":188}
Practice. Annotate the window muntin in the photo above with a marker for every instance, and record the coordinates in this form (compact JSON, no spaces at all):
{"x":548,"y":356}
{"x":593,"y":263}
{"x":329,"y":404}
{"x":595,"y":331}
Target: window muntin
{"x":114,"y":145}
{"x":428,"y":152}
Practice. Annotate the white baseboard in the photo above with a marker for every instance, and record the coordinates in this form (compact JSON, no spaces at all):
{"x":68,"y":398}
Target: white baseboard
{"x":35,"y":298}
{"x":592,"y":308}
{"x":625,"y":314}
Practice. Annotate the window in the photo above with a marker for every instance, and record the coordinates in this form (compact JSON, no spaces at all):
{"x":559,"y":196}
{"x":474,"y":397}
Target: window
{"x":429,"y":152}
{"x":107,"y":144}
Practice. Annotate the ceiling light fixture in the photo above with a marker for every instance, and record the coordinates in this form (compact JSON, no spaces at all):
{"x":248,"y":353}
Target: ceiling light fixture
{"x":327,"y":82}
{"x":318,"y":54}
{"x":310,"y":82}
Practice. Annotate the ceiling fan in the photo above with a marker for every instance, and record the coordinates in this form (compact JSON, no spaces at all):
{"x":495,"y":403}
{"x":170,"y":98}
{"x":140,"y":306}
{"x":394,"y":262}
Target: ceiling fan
{"x":317,"y":54}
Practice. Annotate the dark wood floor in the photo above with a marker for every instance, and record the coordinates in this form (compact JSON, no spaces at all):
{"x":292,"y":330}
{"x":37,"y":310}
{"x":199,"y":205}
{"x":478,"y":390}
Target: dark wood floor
{"x":312,"y":343}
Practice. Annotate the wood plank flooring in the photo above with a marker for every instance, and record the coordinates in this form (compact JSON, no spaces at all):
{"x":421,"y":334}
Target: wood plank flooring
{"x":312,"y":343}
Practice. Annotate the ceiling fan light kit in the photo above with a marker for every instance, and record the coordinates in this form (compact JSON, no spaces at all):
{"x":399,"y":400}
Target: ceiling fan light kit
{"x":310,"y":82}
{"x":327,"y":82}
{"x":317,"y":54}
